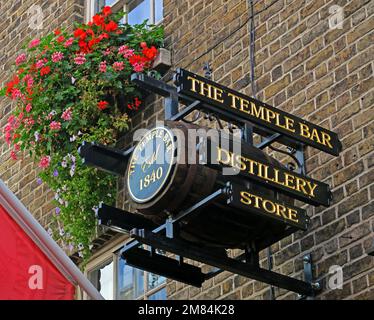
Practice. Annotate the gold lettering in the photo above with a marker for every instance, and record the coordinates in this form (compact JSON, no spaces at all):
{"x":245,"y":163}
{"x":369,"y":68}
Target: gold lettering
{"x":289,"y":181}
{"x":300,"y":184}
{"x":304,"y":130}
{"x":312,"y":187}
{"x":326,"y":139}
{"x":315,"y":136}
{"x":245,"y":198}
{"x":244,"y":106}
{"x":205,"y":88}
{"x":219,"y":156}
{"x":194,"y":82}
{"x":292,"y":215}
{"x":269,"y":206}
{"x":281,"y":211}
{"x":217,"y":94}
{"x":240,"y":159}
{"x":270,"y":115}
{"x":259,"y":113}
{"x":289,"y":124}
{"x":272,"y":209}
{"x":234,"y":99}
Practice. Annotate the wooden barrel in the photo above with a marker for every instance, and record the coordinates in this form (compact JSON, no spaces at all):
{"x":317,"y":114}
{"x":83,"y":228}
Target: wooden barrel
{"x":184,"y":184}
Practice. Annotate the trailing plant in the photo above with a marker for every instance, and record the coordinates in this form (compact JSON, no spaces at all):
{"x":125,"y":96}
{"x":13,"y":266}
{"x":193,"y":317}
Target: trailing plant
{"x":75,"y":87}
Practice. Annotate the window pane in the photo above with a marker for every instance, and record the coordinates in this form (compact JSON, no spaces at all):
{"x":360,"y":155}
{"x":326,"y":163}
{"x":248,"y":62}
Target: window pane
{"x":110,"y":2}
{"x":159,"y":10}
{"x":139,"y":13}
{"x":102,"y":3}
{"x":155,"y":280}
{"x":102,"y":279}
{"x":130,"y":281}
{"x":159,"y":295}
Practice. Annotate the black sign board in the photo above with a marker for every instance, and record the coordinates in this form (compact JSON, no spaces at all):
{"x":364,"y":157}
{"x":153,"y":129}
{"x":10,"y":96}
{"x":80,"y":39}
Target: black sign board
{"x":252,"y":166}
{"x":257,"y":112}
{"x":268,"y":208}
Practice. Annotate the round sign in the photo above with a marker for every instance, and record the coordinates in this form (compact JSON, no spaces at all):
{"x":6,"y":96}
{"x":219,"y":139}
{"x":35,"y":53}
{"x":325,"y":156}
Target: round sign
{"x":150,"y":164}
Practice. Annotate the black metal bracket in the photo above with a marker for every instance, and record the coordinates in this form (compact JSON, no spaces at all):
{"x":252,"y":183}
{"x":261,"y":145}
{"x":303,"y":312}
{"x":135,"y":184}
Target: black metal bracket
{"x":105,"y":158}
{"x":308,"y":276}
{"x":161,"y":88}
{"x":187,"y":250}
{"x":165,"y":237}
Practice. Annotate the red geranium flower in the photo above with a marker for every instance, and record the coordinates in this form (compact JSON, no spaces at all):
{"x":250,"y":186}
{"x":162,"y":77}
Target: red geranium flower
{"x":78,"y":32}
{"x":98,"y":20}
{"x":103,"y":36}
{"x":107,"y":10}
{"x":45,"y":70}
{"x":57,"y":32}
{"x":111,"y":26}
{"x":150,"y":53}
{"x":102,"y":105}
{"x":60,"y":39}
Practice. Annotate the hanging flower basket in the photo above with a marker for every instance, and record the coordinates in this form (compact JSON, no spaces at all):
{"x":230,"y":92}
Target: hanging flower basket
{"x":68,"y":88}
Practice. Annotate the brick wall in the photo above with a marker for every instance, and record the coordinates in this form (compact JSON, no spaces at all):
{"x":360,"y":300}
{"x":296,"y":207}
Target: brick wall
{"x":20,"y":176}
{"x":302,"y":67}
{"x":312,"y":71}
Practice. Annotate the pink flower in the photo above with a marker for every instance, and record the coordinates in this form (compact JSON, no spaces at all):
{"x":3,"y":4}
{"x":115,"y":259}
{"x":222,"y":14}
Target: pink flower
{"x":20,"y":59}
{"x":40,"y":63}
{"x":68,"y":42}
{"x":57,"y":56}
{"x":55,"y":125}
{"x":13,"y":155}
{"x":138,"y":67}
{"x":122,"y":49}
{"x":28,"y":107}
{"x":118,"y":66}
{"x":102,"y":66}
{"x":107,"y":52}
{"x":29,"y":80}
{"x":8,"y":137}
{"x":44,"y":162}
{"x":29,"y":121}
{"x":67,"y":114}
{"x":80,"y":58}
{"x":34,"y":43}
{"x":11,"y":119}
{"x":128,"y":53}
{"x":16,"y":93}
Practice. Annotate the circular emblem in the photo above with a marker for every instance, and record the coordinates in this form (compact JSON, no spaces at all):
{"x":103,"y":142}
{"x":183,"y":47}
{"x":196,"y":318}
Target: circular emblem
{"x":150,"y":164}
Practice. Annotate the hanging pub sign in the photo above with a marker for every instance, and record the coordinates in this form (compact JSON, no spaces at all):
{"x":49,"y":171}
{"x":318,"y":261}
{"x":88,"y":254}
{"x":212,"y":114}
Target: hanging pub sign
{"x":195,"y":210}
{"x":257,"y":112}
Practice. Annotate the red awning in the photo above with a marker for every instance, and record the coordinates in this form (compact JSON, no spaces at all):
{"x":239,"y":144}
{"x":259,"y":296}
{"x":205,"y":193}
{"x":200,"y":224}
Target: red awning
{"x":25,"y":271}
{"x":32,"y":265}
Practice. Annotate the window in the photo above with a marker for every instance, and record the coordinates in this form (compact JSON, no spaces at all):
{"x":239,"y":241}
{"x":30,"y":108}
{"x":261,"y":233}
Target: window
{"x":116,"y":280}
{"x":101,"y":278}
{"x":137,"y":10}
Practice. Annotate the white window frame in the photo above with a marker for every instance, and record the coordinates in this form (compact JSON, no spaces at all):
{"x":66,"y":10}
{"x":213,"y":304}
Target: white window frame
{"x":109,"y":254}
{"x":125,"y":5}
